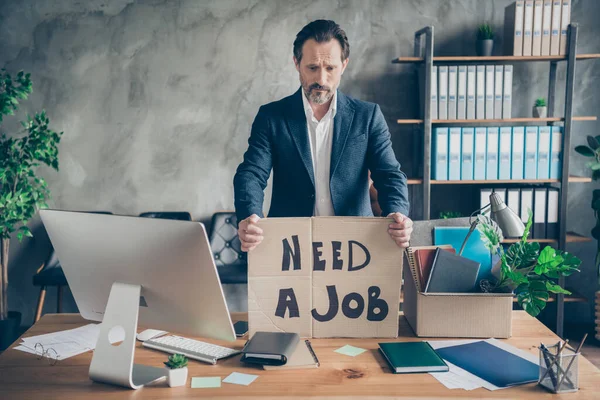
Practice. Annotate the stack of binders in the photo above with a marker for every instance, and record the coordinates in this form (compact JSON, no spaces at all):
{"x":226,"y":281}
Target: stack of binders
{"x":537,"y":27}
{"x":493,"y":153}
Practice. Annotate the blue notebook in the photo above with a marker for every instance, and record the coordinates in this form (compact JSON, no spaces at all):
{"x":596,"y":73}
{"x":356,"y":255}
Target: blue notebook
{"x":491,"y":363}
{"x":474,"y":249}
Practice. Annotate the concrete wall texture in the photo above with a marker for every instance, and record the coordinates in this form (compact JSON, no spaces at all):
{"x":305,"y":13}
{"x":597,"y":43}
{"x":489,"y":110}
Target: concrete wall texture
{"x":156,"y":97}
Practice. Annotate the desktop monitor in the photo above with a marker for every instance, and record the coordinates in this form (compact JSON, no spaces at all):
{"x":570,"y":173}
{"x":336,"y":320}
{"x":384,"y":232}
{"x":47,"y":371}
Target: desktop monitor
{"x":171,"y":261}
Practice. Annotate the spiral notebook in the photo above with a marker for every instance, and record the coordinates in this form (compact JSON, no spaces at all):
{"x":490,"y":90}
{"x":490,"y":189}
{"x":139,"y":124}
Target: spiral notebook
{"x":302,"y":358}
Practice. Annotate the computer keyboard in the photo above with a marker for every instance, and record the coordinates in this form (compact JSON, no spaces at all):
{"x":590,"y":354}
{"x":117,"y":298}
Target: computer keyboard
{"x":190,"y":348}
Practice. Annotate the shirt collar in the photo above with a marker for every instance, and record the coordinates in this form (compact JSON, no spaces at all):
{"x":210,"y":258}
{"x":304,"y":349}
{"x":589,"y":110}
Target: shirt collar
{"x":308,"y":109}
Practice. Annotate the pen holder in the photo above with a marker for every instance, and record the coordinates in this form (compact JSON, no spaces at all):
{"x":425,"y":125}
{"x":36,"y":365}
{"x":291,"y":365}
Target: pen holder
{"x":559,"y":373}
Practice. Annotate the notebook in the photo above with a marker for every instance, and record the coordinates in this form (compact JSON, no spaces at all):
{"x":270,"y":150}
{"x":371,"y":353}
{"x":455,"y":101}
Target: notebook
{"x":270,"y":348}
{"x":411,"y":357}
{"x":303,"y":357}
{"x":491,"y":363}
{"x":451,"y":273}
{"x":415,"y":270}
{"x":424,"y":258}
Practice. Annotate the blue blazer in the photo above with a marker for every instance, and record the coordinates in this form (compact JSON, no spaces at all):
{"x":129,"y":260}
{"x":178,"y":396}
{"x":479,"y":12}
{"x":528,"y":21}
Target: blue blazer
{"x":279,"y":140}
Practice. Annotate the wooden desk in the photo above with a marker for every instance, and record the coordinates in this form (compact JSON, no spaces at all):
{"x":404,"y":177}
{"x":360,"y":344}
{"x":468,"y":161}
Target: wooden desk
{"x":22,"y":376}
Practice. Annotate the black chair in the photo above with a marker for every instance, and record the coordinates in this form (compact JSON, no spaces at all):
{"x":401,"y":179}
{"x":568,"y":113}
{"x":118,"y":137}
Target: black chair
{"x":178,"y":215}
{"x":231,"y":261}
{"x":50,"y":273}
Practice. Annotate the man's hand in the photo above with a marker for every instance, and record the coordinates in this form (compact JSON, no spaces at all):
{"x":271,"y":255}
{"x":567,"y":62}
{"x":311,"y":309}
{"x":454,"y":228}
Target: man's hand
{"x":250,"y":234}
{"x":401,"y":229}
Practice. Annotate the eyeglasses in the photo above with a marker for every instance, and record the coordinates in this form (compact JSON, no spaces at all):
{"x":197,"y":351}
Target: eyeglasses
{"x":49,"y":353}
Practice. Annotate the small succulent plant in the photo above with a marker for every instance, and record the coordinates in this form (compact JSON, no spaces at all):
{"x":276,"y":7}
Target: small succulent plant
{"x":540,"y":102}
{"x":176,"y":361}
{"x":485,"y":32}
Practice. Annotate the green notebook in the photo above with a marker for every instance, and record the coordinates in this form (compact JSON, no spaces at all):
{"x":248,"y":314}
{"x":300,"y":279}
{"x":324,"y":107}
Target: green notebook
{"x":406,"y":357}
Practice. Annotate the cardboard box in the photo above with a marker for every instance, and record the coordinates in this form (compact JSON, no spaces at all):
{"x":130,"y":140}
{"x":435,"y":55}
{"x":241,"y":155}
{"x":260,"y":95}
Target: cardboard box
{"x":325,"y":277}
{"x":455,"y":315}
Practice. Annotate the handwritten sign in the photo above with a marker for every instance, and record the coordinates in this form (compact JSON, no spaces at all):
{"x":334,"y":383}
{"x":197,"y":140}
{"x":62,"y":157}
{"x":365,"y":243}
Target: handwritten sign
{"x":325,"y":277}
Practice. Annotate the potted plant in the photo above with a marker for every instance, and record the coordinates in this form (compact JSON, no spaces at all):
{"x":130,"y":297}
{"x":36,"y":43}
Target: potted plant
{"x":22,"y":192}
{"x":177,"y":371}
{"x":593,"y":151}
{"x":485,"y":40}
{"x":539,"y":108}
{"x":524,"y":269}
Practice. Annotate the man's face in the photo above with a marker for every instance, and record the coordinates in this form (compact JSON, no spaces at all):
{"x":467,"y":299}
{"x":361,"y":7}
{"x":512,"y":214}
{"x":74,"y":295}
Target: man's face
{"x":320,"y":69}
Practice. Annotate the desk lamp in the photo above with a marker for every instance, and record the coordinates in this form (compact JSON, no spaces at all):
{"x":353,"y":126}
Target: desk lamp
{"x":508,"y":221}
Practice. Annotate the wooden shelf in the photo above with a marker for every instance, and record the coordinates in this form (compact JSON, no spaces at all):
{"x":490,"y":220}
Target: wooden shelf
{"x":408,"y":60}
{"x":415,"y":181}
{"x":580,"y":179}
{"x":487,"y":182}
{"x":572,"y":237}
{"x":494,"y":121}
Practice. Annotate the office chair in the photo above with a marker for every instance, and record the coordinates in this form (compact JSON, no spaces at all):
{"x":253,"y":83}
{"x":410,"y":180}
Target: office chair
{"x":178,"y":215}
{"x":50,"y":273}
{"x":231,"y":261}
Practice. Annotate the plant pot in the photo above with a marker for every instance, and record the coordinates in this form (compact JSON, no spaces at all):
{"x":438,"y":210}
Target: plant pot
{"x":485,"y":47}
{"x":177,"y":377}
{"x":539,"y":112}
{"x":9,"y":329}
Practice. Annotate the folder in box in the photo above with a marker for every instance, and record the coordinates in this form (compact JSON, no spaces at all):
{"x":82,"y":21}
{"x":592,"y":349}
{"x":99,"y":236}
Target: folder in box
{"x":546,"y":27}
{"x":526,"y":206}
{"x":466,"y":171}
{"x":512,"y":200}
{"x":507,"y":93}
{"x":471,"y":92}
{"x":556,"y":152}
{"x":539,"y":213}
{"x":480,"y":153}
{"x":513,"y":29}
{"x":441,"y":154}
{"x":555,"y":28}
{"x":565,"y":20}
{"x":531,"y":144}
{"x":443,"y":92}
{"x":489,"y":92}
{"x":552,"y":225}
{"x":454,"y":147}
{"x":528,"y":28}
{"x":518,"y":148}
{"x":538,"y":10}
{"x":461,"y":103}
{"x":452,"y":86}
{"x":491,"y":170}
{"x":498,"y":78}
{"x":505,"y":150}
{"x":543,"y":171}
{"x":480,"y":92}
{"x":434,"y":98}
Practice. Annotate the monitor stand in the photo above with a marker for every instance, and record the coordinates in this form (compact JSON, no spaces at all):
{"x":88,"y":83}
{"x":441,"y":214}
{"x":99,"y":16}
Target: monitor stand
{"x":113,"y":364}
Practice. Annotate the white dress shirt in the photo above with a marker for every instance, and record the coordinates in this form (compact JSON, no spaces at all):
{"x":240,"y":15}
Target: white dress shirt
{"x":321,"y":137}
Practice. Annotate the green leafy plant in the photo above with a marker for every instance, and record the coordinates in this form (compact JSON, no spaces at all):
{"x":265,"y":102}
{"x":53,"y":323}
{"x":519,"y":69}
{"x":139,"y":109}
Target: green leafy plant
{"x":592,"y":150}
{"x":524,"y":269}
{"x":22,"y":192}
{"x":176,"y":361}
{"x":540,"y":102}
{"x":450,"y":214}
{"x":485,"y":32}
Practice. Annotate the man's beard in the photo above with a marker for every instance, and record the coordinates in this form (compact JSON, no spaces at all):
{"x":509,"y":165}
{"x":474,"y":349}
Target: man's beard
{"x":317,"y":97}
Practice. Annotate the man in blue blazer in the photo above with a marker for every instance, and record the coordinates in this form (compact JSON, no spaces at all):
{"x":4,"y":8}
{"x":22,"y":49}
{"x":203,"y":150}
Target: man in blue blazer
{"x":321,"y":145}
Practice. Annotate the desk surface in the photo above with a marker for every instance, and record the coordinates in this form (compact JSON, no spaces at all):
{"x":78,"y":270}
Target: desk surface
{"x":367,"y":375}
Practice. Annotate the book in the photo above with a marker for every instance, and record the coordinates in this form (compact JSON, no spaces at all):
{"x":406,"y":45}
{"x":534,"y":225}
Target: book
{"x":270,"y":348}
{"x":451,"y":273}
{"x":412,"y":357}
{"x":424,"y":256}
{"x":303,"y":357}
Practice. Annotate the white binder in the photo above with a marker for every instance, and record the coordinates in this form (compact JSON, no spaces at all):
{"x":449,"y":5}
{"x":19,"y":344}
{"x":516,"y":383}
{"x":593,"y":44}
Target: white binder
{"x":480,"y":92}
{"x":443,"y":92}
{"x":512,"y":200}
{"x":452,"y":86}
{"x":461,"y":103}
{"x":543,"y":170}
{"x":505,"y":150}
{"x":489,"y":92}
{"x":498,"y":78}
{"x":507,"y":94}
{"x":513,"y":29}
{"x":502,"y":193}
{"x":538,"y":10}
{"x":434,"y":99}
{"x":526,"y":204}
{"x":546,"y":27}
{"x":565,"y":20}
{"x":528,"y":28}
{"x":518,"y":151}
{"x":454,"y":160}
{"x":484,"y":197}
{"x":471,"y":92}
{"x":555,"y":28}
{"x":480,"y":153}
{"x":539,"y":213}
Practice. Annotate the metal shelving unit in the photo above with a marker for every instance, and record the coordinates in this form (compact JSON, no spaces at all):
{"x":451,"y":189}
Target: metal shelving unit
{"x":423,"y":55}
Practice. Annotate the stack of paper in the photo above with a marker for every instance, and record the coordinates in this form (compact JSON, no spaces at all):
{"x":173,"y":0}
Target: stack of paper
{"x":67,"y":343}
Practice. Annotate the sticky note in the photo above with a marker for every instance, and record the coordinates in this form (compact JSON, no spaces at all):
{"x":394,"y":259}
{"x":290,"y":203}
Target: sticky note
{"x":350,"y":350}
{"x":206,"y":382}
{"x":240,"y":379}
